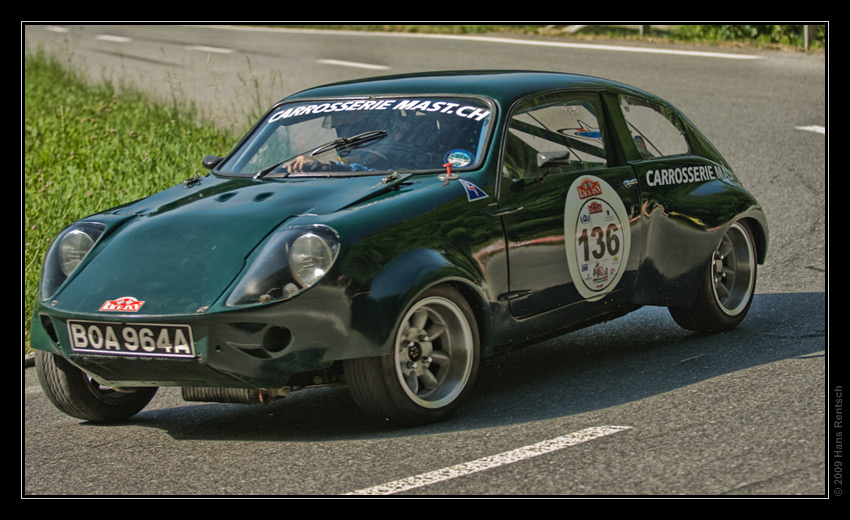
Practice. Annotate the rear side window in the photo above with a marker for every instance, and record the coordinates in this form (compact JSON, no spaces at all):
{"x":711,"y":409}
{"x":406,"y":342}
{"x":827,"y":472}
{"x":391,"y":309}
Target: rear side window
{"x":656,"y":130}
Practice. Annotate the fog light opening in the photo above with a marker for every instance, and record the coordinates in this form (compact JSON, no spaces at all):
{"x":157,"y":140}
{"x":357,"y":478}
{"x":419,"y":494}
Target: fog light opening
{"x":277,"y":339}
{"x":47,"y":324}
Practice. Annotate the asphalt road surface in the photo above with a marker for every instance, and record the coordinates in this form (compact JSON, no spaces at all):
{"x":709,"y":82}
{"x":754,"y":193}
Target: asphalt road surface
{"x":636,"y":406}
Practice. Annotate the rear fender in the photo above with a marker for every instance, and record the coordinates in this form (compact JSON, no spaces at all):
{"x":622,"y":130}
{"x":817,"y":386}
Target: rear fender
{"x":681,"y":235}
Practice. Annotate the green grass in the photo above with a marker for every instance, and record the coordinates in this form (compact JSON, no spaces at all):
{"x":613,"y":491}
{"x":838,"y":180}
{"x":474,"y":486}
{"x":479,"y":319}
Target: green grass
{"x":89,"y":148}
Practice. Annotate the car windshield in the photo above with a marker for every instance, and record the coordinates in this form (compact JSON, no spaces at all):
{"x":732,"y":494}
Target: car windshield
{"x":359,"y":136}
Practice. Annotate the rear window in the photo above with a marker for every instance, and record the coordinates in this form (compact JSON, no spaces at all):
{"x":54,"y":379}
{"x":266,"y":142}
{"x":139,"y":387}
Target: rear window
{"x":656,"y":130}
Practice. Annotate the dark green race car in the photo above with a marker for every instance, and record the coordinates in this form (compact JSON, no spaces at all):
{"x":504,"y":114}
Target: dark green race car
{"x":387,"y":234}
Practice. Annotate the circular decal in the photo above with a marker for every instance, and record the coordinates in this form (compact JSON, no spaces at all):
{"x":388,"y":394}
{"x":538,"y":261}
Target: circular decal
{"x":598,"y":237}
{"x":458,"y":158}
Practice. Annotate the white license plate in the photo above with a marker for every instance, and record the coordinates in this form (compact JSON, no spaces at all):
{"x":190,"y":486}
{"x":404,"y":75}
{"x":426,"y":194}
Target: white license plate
{"x":136,"y":339}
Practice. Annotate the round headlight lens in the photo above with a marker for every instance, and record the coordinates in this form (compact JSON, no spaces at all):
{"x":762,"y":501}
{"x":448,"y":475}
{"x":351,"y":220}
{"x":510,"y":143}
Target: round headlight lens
{"x":310,"y":257}
{"x":67,"y":253}
{"x":73,"y":247}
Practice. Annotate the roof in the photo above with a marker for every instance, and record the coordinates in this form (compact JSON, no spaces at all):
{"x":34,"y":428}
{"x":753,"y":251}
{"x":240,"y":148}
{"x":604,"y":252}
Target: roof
{"x":503,"y":86}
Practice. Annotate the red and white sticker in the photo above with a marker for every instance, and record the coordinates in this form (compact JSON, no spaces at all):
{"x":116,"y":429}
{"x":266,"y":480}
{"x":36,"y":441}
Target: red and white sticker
{"x":598,"y":237}
{"x":123,"y":304}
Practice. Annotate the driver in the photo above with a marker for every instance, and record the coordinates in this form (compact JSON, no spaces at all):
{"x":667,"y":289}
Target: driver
{"x":346,"y":126}
{"x":306,"y":163}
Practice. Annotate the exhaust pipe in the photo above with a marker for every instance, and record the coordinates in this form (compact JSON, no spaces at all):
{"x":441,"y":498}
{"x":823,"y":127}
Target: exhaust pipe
{"x":232,"y":395}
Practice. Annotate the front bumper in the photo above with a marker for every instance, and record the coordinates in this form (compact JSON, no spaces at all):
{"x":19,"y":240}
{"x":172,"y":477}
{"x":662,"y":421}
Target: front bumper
{"x":261,"y":347}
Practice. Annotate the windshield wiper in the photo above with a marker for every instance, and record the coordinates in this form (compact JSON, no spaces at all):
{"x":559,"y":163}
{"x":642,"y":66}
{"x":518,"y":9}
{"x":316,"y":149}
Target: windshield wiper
{"x":345,"y":142}
{"x":342,"y":142}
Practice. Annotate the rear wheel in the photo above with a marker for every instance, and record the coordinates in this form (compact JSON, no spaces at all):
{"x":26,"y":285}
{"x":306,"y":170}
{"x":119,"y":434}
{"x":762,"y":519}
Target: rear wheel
{"x":73,"y":392}
{"x":431,"y":368}
{"x":728,"y":287}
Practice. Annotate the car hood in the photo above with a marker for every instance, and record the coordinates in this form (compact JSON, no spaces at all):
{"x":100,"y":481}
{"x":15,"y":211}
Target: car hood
{"x":179,"y":250}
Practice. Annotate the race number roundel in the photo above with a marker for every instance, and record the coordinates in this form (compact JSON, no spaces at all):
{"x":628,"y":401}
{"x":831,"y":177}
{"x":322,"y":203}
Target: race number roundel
{"x":597,"y":238}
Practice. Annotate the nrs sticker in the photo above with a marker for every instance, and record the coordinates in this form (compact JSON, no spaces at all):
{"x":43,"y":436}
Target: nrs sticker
{"x":124,"y":304}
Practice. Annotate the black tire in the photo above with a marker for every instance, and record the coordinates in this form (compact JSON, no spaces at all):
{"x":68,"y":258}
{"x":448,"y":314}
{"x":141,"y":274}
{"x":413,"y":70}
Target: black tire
{"x":432,"y":367}
{"x":728,"y":287}
{"x":73,"y":392}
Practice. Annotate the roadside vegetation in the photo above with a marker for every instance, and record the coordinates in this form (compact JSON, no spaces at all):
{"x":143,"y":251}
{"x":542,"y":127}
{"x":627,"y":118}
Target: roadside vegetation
{"x":782,"y":36}
{"x":88,"y":148}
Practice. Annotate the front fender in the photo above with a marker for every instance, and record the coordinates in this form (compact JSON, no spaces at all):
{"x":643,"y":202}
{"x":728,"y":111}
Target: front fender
{"x":376,"y":310}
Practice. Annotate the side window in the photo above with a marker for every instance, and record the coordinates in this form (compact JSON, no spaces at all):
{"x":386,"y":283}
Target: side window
{"x":656,"y":130}
{"x":554,"y":133}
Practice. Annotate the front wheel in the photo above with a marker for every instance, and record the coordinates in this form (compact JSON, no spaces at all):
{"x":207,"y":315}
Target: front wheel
{"x":728,"y":287}
{"x":73,"y":392}
{"x":432,"y":366}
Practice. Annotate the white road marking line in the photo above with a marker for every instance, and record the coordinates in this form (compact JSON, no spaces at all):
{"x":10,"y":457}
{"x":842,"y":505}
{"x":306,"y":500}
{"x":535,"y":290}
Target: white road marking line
{"x":353,"y":64}
{"x":112,"y":38}
{"x":540,"y":43}
{"x":206,"y":48}
{"x":57,"y":29}
{"x":617,"y":48}
{"x":508,"y":457}
{"x":813,"y":128}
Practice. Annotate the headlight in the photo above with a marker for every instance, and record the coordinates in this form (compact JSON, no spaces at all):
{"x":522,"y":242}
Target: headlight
{"x":310,"y":258}
{"x":66,"y":253}
{"x":73,"y":247}
{"x":293,"y":260}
